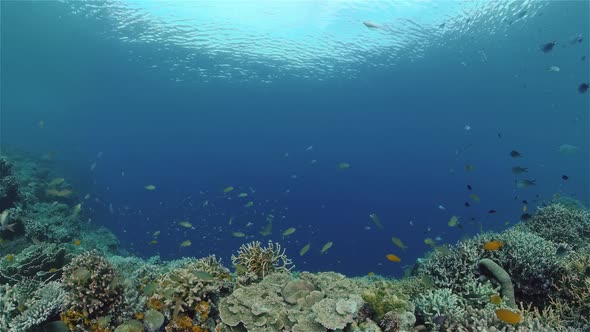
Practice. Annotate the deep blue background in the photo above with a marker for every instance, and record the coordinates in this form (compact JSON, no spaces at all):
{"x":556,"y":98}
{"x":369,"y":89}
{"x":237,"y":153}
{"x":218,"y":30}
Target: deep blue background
{"x":399,"y":128}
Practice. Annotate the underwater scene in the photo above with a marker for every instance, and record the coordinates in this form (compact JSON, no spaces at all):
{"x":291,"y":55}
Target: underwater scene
{"x":297,"y":165}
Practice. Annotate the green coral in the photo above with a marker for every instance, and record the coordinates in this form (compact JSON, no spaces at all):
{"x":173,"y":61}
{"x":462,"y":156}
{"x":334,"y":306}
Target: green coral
{"x":385,"y":296}
{"x":440,"y":303}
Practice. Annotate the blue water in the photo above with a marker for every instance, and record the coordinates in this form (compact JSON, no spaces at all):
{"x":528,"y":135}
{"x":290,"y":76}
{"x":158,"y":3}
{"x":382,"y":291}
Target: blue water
{"x":142,"y":114}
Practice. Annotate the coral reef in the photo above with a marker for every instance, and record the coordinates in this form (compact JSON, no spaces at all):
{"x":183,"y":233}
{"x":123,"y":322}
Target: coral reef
{"x":253,"y":262}
{"x":503,"y":278}
{"x":560,"y":223}
{"x":38,"y":261}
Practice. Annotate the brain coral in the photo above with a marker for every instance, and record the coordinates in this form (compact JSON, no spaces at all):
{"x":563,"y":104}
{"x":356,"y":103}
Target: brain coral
{"x":560,"y":223}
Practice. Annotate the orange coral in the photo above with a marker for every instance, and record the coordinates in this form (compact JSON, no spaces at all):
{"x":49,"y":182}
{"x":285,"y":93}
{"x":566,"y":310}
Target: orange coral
{"x":180,"y":324}
{"x":155,"y":304}
{"x":139,"y":316}
{"x":203,"y":308}
{"x":73,"y":318}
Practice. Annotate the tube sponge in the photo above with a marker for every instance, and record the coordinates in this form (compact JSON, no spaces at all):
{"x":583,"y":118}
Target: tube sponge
{"x":502,"y":277}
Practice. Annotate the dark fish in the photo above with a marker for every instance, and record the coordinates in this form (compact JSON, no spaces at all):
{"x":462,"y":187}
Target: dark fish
{"x":577,"y":39}
{"x":519,"y":170}
{"x":515,"y":154}
{"x":524,"y":201}
{"x":546,"y":48}
{"x":492,"y":211}
{"x":565,"y":177}
{"x":525,"y":217}
{"x":583,"y":88}
{"x":469,"y":187}
{"x":525,"y":183}
{"x":561,"y":251}
{"x":467,"y":204}
{"x":583,"y":58}
{"x":499,"y":135}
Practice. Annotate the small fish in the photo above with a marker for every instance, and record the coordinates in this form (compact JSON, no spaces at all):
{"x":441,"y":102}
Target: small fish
{"x":583,"y":88}
{"x":443,"y":250}
{"x":4,"y":225}
{"x":241,"y":195}
{"x":516,"y":170}
{"x":375,"y":219}
{"x":467,"y":127}
{"x":474,"y":198}
{"x":441,"y":207}
{"x":553,"y":69}
{"x":185,"y":224}
{"x":305,"y":249}
{"x":77,"y":242}
{"x":525,"y":183}
{"x":467,"y":204}
{"x":153,"y":242}
{"x":249,"y":204}
{"x":371,"y":274}
{"x":150,"y":187}
{"x":525,"y":217}
{"x":469,"y":167}
{"x":508,"y":316}
{"x":565,"y":177}
{"x":309,"y":148}
{"x":393,"y":258}
{"x":524,"y":208}
{"x":10,"y":257}
{"x":52,"y":270}
{"x":567,"y":149}
{"x":156,"y":233}
{"x":493,"y":245}
{"x":547,"y":47}
{"x":76,"y":211}
{"x":41,"y":124}
{"x":228,"y":189}
{"x":515,"y":154}
{"x":371,"y":25}
{"x":492,"y":211}
{"x":429,"y":242}
{"x":267,"y":230}
{"x":186,"y":243}
{"x":469,"y":187}
{"x":238,"y":234}
{"x":454,"y":221}
{"x":398,"y":242}
{"x":344,"y":165}
{"x":326,"y":247}
{"x":231,"y":220}
{"x":289,"y":231}
{"x":524,"y":201}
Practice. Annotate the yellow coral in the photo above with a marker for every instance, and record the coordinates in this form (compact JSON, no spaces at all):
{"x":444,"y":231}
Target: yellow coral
{"x":182,"y":324}
{"x":203,"y":308}
{"x":139,"y":316}
{"x":73,"y":319}
{"x":155,"y":304}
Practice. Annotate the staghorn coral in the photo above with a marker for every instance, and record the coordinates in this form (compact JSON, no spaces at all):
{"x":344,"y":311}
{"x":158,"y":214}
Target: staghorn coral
{"x":559,"y":223}
{"x":92,"y":284}
{"x":28,"y":304}
{"x":51,"y":222}
{"x":572,"y":298}
{"x":253,"y":262}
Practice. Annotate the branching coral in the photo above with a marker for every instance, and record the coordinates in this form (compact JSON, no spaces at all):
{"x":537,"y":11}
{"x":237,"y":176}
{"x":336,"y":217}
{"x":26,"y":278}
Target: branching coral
{"x":253,"y":262}
{"x":92,"y":284}
{"x":558,"y":223}
{"x":572,"y":298}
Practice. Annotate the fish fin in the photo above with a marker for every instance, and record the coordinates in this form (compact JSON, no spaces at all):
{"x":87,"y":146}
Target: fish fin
{"x":10,"y":227}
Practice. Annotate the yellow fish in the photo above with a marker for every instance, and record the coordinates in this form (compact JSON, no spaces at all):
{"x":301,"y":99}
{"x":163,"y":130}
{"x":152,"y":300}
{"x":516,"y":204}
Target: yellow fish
{"x":474,"y":197}
{"x":249,"y":204}
{"x":77,"y":242}
{"x":10,"y":257}
{"x":77,"y":209}
{"x":289,"y":231}
{"x":186,"y":243}
{"x":469,"y":167}
{"x":52,"y":270}
{"x":185,"y":224}
{"x":326,"y":247}
{"x":152,"y":242}
{"x":398,"y":243}
{"x":393,"y":258}
{"x":370,"y":274}
{"x":493,"y":245}
{"x":375,"y":219}
{"x":238,"y":234}
{"x":150,"y":187}
{"x":228,"y":189}
{"x":344,"y":165}
{"x":524,"y":208}
{"x":305,"y":249}
{"x":454,"y":221}
{"x":508,"y":316}
{"x":267,"y":230}
{"x":495,"y":299}
{"x":242,"y":195}
{"x":429,"y":242}
{"x":56,"y":182}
